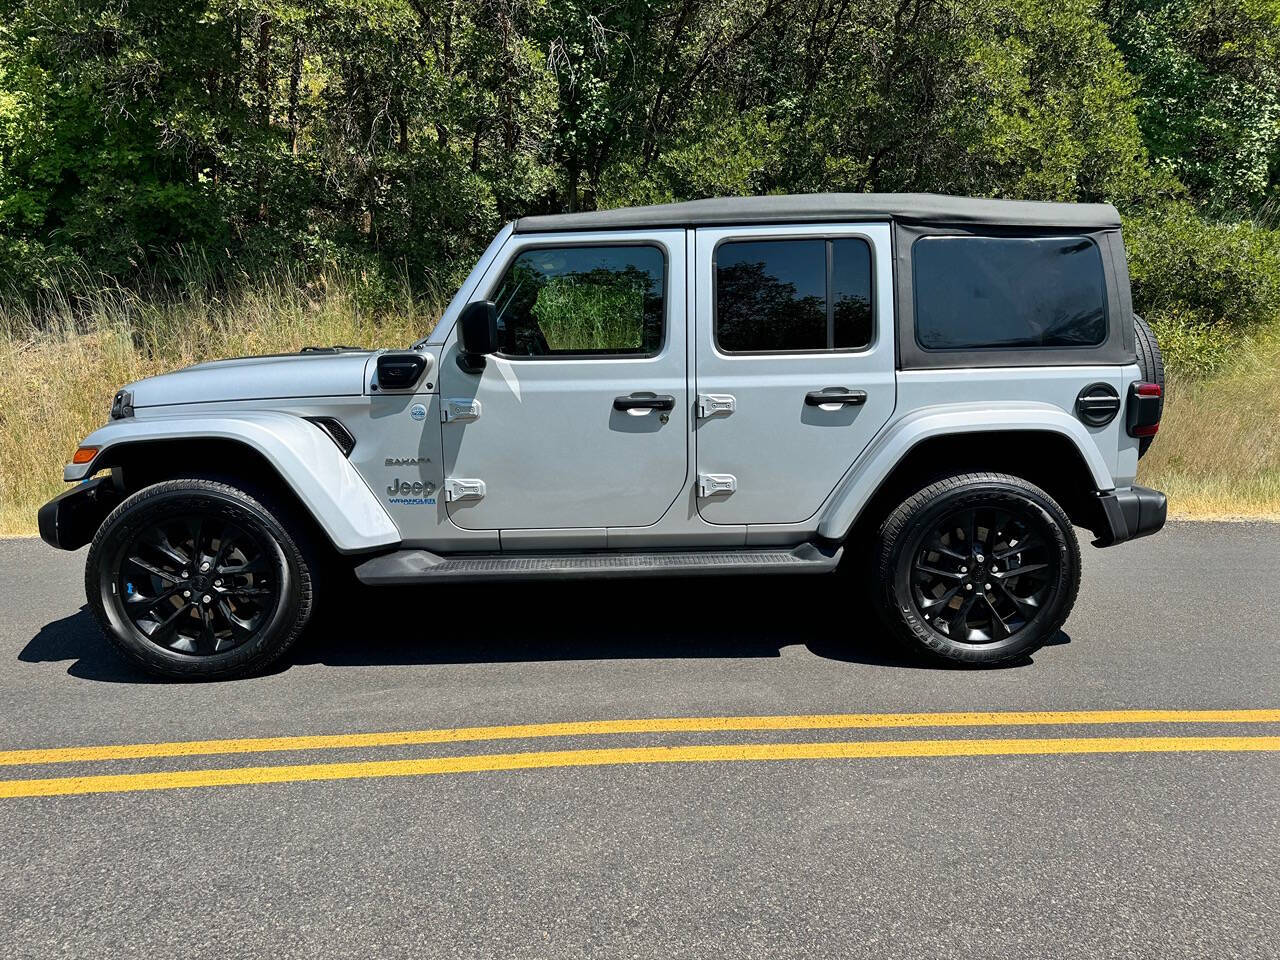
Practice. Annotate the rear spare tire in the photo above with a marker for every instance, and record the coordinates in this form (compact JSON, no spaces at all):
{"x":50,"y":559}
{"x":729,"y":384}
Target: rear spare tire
{"x":1151,"y":363}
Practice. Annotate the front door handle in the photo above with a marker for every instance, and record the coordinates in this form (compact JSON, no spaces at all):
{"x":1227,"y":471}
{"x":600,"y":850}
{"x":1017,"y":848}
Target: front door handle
{"x":835,"y":395}
{"x":645,"y":401}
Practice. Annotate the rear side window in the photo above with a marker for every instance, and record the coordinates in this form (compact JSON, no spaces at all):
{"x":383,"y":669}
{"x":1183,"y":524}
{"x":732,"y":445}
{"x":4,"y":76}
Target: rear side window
{"x":576,"y":301}
{"x":993,"y":292}
{"x":776,"y":296}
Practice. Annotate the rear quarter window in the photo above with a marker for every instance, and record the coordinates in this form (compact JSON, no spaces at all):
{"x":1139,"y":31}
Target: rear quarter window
{"x":1008,"y":292}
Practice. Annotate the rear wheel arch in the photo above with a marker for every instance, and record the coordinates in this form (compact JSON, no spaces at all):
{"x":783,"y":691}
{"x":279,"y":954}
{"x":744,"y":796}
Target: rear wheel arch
{"x":1044,"y":457}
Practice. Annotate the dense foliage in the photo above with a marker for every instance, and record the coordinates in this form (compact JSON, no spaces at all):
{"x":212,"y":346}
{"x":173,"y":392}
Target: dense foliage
{"x":394,"y":136}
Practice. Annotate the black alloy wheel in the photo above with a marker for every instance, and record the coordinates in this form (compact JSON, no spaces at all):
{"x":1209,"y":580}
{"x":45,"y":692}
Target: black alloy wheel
{"x":983,"y":574}
{"x":196,"y":584}
{"x":197,"y":579}
{"x":977,"y":568}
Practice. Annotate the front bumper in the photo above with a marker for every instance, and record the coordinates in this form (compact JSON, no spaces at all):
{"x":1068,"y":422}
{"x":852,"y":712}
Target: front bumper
{"x":1130,"y":513}
{"x":70,"y":520}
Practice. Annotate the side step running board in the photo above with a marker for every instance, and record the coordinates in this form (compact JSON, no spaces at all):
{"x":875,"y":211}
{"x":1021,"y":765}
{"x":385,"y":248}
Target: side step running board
{"x":421,"y":566}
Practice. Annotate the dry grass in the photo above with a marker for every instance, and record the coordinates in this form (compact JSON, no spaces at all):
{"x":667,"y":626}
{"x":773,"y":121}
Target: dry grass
{"x":59,"y":372}
{"x":1218,"y":453}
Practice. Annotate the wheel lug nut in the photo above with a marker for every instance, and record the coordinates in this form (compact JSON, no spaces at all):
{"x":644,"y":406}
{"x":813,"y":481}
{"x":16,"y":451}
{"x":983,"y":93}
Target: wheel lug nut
{"x":964,"y":569}
{"x":968,"y":586}
{"x":204,"y":566}
{"x":206,"y":598}
{"x":185,"y":574}
{"x":217,"y":583}
{"x":186,"y":593}
{"x":978,"y":558}
{"x":987,"y":587}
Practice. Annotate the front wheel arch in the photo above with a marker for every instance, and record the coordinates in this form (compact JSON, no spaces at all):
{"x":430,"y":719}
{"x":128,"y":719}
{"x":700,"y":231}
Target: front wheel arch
{"x":136,"y":465}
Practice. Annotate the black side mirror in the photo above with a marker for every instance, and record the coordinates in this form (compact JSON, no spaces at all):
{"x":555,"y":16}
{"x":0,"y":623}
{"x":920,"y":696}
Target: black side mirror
{"x":400,"y":371}
{"x":477,"y":334}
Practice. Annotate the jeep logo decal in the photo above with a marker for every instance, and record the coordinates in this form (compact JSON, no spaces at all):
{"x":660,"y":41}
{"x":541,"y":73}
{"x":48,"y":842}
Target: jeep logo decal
{"x":406,"y":488}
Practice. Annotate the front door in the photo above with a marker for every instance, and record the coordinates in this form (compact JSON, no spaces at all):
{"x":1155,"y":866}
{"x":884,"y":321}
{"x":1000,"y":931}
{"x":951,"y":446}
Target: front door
{"x":795,"y":364}
{"x":581,"y":419}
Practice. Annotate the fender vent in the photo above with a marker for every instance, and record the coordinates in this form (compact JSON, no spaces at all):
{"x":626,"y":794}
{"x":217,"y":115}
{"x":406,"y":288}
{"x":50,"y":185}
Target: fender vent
{"x":337,"y":432}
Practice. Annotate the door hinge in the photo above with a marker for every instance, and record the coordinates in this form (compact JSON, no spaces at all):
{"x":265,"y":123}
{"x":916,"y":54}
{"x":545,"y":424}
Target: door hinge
{"x":455,"y":410}
{"x":709,"y":404}
{"x":713,"y":484}
{"x":463,"y":489}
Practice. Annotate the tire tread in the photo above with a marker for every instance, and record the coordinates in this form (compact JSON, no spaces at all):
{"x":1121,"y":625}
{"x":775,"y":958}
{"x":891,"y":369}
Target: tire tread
{"x":198,"y":669}
{"x":895,"y":526}
{"x":1151,"y":363}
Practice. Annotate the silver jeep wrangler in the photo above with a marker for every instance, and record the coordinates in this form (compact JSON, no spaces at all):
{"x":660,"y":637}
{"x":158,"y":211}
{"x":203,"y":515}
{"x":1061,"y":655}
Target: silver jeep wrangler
{"x":933,"y":390}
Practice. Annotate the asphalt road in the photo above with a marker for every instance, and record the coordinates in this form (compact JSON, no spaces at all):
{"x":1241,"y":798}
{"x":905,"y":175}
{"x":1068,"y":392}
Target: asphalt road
{"x":1116,"y":854}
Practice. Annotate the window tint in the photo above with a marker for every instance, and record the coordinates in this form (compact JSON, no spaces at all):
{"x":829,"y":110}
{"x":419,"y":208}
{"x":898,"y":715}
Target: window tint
{"x":1008,"y":292}
{"x":582,"y":300}
{"x":851,"y":293}
{"x":779,"y":295}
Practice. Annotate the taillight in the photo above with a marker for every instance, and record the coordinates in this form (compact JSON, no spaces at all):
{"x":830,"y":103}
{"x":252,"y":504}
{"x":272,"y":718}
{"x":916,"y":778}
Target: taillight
{"x":1142,"y":416}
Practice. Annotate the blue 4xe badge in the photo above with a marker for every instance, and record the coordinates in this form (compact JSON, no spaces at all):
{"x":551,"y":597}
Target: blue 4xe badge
{"x":418,"y":412}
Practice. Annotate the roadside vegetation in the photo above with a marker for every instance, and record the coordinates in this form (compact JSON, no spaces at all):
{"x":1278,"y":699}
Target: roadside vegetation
{"x":1218,"y":451}
{"x":187,"y":180}
{"x":62,"y":366}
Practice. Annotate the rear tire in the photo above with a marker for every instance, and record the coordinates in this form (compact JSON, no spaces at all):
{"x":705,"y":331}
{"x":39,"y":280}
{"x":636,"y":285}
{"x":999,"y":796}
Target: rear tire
{"x":979,"y":568}
{"x":1151,"y":363}
{"x":197,"y":580}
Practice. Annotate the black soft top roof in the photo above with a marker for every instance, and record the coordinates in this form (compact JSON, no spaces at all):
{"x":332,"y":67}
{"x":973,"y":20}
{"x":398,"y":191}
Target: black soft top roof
{"x":916,"y":208}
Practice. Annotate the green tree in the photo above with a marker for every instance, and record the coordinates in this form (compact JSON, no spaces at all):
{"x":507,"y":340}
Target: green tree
{"x":396,"y":135}
{"x":1209,"y":81}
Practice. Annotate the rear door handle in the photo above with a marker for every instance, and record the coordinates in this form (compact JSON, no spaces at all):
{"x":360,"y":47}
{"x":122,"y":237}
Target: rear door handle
{"x":836,"y":395}
{"x":645,"y":401}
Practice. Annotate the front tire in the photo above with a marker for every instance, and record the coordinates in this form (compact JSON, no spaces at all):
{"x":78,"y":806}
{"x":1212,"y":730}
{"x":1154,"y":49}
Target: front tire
{"x":980,"y":568}
{"x":197,"y":580}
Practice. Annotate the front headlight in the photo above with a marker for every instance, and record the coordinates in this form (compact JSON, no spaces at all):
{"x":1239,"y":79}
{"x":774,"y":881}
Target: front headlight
{"x":122,"y":405}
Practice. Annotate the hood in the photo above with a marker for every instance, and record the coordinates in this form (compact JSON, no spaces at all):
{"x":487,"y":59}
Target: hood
{"x":315,"y":373}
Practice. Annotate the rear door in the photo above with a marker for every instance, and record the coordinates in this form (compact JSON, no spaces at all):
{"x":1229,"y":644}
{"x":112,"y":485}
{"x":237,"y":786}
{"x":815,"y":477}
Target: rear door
{"x":794,"y":364}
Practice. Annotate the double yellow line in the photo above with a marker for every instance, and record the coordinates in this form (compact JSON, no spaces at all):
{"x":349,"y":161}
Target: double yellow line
{"x":165,"y":780}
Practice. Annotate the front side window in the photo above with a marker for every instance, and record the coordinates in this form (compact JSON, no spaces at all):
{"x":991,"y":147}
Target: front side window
{"x":993,"y":292}
{"x":563,"y":301}
{"x":775,"y":296}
